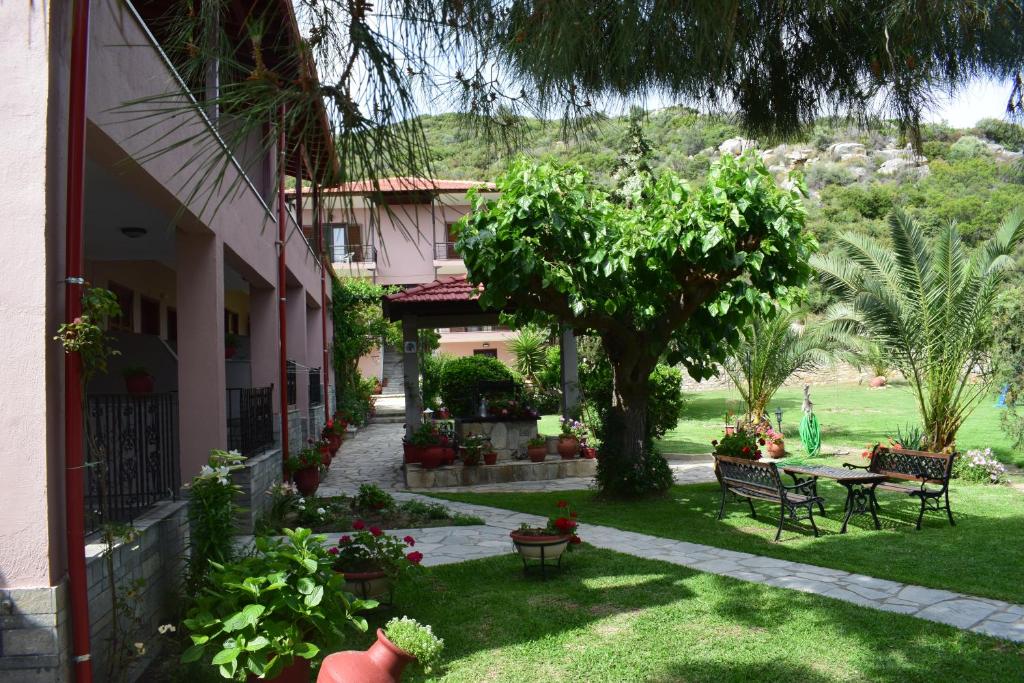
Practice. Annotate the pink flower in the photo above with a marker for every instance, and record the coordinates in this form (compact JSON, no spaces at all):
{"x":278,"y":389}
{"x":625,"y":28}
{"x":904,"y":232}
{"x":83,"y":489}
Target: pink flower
{"x":375,"y":530}
{"x":359,"y":525}
{"x":345,"y":539}
{"x":415,"y":557}
{"x":409,"y":540}
{"x":333,"y":551}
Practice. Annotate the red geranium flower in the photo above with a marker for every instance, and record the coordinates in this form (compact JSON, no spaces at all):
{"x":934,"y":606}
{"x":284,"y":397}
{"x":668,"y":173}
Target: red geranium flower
{"x":375,"y":530}
{"x":345,"y":539}
{"x":746,"y":450}
{"x":562,"y":504}
{"x":359,"y":525}
{"x":573,"y":514}
{"x":333,"y":551}
{"x":415,"y":557}
{"x":409,"y":540}
{"x":575,"y":539}
{"x":565,"y":525}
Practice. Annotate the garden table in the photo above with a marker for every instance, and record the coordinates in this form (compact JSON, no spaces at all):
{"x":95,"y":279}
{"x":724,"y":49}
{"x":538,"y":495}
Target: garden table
{"x":860,"y":487}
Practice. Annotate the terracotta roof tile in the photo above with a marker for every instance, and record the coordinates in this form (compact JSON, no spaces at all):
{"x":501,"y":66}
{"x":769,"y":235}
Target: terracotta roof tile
{"x":448,"y":289}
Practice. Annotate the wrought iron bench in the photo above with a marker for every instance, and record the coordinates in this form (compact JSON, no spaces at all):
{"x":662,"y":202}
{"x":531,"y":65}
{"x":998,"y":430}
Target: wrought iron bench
{"x":750,"y":479}
{"x":900,"y":467}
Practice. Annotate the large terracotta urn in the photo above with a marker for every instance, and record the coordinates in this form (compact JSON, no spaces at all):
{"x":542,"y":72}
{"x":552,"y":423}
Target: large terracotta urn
{"x":432,"y":457}
{"x":776,"y":449}
{"x":382,"y":663}
{"x":537,"y":453}
{"x":568,"y":447}
{"x":411,"y":453}
{"x":878,"y":382}
{"x":334,"y":442}
{"x":307,"y":481}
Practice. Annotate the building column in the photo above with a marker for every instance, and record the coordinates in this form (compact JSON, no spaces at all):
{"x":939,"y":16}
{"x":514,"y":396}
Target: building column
{"x":296,"y":309}
{"x":202,"y":410}
{"x":570,"y":373}
{"x":264,"y":342}
{"x":411,"y":369}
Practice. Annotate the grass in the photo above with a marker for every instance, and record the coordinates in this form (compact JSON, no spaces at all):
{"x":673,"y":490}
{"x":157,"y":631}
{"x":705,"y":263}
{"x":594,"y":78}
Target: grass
{"x":982,"y":555}
{"x":612,"y":617}
{"x":850,"y":415}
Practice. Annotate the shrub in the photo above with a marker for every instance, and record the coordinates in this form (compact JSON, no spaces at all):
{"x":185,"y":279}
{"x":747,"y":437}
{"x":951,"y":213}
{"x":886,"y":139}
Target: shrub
{"x":969,"y":147}
{"x":416,"y":639}
{"x":461,"y":376}
{"x":211,"y":515}
{"x":372,"y":497}
{"x":666,"y":397}
{"x":430,"y":371}
{"x":622,"y":476}
{"x":979,"y":467}
{"x":828,"y":173}
{"x":1009,"y":135}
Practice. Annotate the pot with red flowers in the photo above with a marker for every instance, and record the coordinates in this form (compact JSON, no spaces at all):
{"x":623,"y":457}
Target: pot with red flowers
{"x":547,"y":543}
{"x":332,"y":433}
{"x":372,"y":561}
{"x":304,"y":468}
{"x":431,"y":444}
{"x":741,"y":443}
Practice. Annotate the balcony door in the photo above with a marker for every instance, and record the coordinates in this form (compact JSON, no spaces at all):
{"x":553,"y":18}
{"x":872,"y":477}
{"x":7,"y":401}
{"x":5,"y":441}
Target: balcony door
{"x":348,"y":243}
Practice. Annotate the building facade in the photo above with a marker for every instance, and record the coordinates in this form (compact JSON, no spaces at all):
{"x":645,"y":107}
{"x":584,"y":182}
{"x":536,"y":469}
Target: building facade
{"x":234,"y":352}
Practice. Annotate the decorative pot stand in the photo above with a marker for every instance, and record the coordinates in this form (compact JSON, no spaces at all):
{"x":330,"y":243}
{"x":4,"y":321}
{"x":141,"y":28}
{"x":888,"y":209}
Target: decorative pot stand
{"x":544,"y":562}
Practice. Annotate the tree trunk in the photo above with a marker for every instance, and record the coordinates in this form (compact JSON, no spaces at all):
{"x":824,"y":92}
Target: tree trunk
{"x":631,"y":393}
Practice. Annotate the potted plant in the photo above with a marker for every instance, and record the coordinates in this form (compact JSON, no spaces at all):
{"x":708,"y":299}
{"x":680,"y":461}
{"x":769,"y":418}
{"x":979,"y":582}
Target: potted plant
{"x":586,"y":451}
{"x":372,"y":497}
{"x":773,"y":441}
{"x":399,"y":643}
{"x":332,"y":433}
{"x":230,"y":345}
{"x":473,"y":447}
{"x":304,"y":467}
{"x":325,"y":452}
{"x":547,"y":543}
{"x":537,"y":448}
{"x":741,"y":443}
{"x":371,"y":561}
{"x":573,"y":432}
{"x":431,"y":445}
{"x":270,"y":614}
{"x":490,"y":455}
{"x":137,"y":380}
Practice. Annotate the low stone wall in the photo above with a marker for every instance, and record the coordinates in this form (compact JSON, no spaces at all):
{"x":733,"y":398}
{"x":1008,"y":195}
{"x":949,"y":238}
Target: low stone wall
{"x":153,"y":566}
{"x":261,"y":473}
{"x":35,"y":635}
{"x":296,"y":431}
{"x":508,"y":438}
{"x":416,"y":477}
{"x":316,"y":421}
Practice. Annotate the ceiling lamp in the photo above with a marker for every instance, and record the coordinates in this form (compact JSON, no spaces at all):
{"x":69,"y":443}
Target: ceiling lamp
{"x":133,"y":232}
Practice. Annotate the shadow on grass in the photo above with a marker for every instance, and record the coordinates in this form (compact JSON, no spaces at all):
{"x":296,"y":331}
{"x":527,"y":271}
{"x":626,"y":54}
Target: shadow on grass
{"x":613,"y":617}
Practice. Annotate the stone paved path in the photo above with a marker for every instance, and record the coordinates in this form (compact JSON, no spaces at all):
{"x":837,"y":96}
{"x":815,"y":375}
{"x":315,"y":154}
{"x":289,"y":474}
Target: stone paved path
{"x":372,"y":456}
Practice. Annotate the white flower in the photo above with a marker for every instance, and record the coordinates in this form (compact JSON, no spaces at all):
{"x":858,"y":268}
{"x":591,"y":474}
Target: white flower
{"x":205,"y":471}
{"x":321,"y":511}
{"x":140,"y":648}
{"x":234,"y":451}
{"x":166,"y":628}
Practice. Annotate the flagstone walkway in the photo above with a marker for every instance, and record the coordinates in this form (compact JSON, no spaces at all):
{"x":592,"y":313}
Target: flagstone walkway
{"x":366,"y":458}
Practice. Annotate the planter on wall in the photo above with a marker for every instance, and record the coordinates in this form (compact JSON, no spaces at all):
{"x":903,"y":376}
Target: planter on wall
{"x":307,"y":481}
{"x":537,"y":453}
{"x":491,"y":458}
{"x":411,"y":453}
{"x":139,"y":385}
{"x":432,"y":457}
{"x":368,"y":585}
{"x":776,"y":450}
{"x":568,"y":447}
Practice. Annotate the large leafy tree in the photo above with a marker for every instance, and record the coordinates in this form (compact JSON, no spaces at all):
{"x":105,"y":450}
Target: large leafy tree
{"x":672,"y":273}
{"x":359,"y":327}
{"x":772,"y":347}
{"x":929,"y":305}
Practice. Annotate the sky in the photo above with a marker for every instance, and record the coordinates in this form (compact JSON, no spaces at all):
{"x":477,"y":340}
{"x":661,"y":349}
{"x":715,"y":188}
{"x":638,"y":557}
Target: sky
{"x":982,"y":99}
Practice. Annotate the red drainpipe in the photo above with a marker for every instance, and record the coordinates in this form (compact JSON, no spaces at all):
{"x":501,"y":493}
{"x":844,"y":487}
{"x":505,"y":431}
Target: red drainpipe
{"x":282,"y":287}
{"x":323,"y":296}
{"x":74,"y":457}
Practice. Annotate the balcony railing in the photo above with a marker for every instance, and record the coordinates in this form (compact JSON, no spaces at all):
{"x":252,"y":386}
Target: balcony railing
{"x":132,"y":446}
{"x":250,"y":419}
{"x":291,"y":387}
{"x":316,"y":388}
{"x":354,"y":253}
{"x":445,"y":251}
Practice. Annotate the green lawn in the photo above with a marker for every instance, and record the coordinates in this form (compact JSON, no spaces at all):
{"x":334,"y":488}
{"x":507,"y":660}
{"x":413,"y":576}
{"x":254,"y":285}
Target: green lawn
{"x":982,"y":555}
{"x":850,"y":416}
{"x":611,"y":617}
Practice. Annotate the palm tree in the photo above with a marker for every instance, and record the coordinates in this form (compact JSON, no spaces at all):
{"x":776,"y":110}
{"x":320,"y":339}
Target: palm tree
{"x":771,"y":349}
{"x":529,"y":346}
{"x":928,"y":305}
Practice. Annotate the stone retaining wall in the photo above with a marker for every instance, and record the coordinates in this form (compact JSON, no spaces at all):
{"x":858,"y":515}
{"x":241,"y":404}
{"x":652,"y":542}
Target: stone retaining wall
{"x":416,"y":477}
{"x":507,"y":438}
{"x":261,"y":473}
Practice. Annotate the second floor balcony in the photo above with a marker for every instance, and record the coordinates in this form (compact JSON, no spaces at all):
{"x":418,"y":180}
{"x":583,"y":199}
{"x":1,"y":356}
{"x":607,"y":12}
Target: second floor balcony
{"x":354,"y":253}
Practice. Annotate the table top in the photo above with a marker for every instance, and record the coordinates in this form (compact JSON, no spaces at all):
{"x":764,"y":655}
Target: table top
{"x":837,"y":473}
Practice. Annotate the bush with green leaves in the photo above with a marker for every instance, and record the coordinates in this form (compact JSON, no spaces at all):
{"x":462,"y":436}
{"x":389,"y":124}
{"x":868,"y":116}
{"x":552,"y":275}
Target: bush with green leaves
{"x":257,"y":615}
{"x":431,"y":368}
{"x":1008,"y":360}
{"x":211,"y":514}
{"x":1009,"y":135}
{"x":359,"y":327}
{"x":460,"y":378}
{"x":416,"y":639}
{"x":968,"y":147}
{"x":373,"y":497}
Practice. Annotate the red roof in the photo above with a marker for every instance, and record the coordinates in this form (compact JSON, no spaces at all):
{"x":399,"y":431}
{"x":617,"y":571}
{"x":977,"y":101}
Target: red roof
{"x":455,"y":288}
{"x":405,"y":184}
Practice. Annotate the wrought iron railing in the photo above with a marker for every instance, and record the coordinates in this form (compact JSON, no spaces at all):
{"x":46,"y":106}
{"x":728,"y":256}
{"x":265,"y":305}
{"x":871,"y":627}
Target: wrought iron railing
{"x":316,"y":388}
{"x":250,"y":419}
{"x":354,"y":253}
{"x":291,"y":387}
{"x":445,"y":251}
{"x":132,"y":447}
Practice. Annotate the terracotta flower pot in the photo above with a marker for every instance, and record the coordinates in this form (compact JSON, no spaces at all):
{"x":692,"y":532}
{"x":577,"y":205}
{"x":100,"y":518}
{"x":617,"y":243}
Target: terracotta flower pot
{"x":537,"y":453}
{"x":776,"y":450}
{"x":307,"y":481}
{"x":877,"y":382}
{"x":367,"y":585}
{"x":334,"y":442}
{"x":568,"y":447}
{"x":297,"y":672}
{"x":432,"y":457}
{"x":411,"y":453}
{"x":382,"y":663}
{"x":530,"y":547}
{"x":230,"y":351}
{"x":491,"y":458}
{"x":588,"y":452}
{"x":326,"y":456}
{"x":139,"y":385}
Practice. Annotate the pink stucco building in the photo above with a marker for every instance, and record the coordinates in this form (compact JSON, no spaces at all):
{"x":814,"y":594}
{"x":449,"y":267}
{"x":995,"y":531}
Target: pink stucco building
{"x":227,"y":322}
{"x":399,"y":231}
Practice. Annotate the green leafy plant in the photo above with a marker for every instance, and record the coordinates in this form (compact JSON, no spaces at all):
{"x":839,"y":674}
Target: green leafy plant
{"x":371,"y":549}
{"x":537,"y":441}
{"x":211,"y":513}
{"x":573,"y":429}
{"x":359,"y":327}
{"x":744,"y":442}
{"x":372,"y":497}
{"x":460,"y":378}
{"x":416,"y":639}
{"x":257,"y":614}
{"x":87,"y":335}
{"x":307,"y":458}
{"x":428,"y":435}
{"x":529,"y":346}
{"x":909,"y":436}
{"x":979,"y":467}
{"x":929,"y":305}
